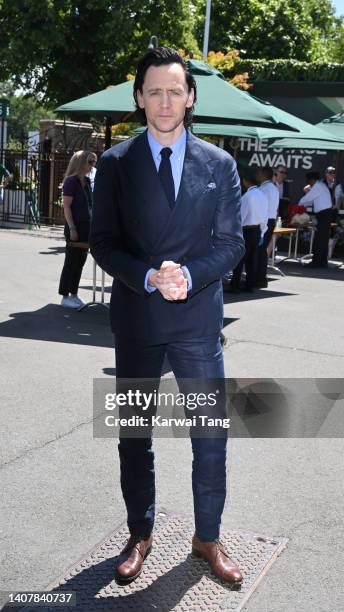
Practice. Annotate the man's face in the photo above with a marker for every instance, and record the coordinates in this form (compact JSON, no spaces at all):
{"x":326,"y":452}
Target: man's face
{"x":165,"y":97}
{"x":281,"y":174}
{"x":330,"y":176}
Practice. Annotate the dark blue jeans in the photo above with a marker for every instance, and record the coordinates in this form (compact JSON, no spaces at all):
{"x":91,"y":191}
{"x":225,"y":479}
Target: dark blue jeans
{"x":200,"y":358}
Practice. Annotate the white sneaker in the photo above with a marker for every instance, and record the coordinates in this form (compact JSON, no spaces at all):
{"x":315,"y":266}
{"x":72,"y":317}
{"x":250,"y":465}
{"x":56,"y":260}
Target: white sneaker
{"x":78,"y":299}
{"x":70,"y":302}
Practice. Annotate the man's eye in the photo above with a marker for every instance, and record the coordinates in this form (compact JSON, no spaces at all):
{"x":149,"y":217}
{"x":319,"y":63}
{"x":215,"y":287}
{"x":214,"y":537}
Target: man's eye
{"x":175,"y":92}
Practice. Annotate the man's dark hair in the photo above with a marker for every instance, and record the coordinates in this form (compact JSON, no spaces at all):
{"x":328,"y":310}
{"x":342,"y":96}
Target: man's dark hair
{"x":266,"y":172}
{"x":161,"y":56}
{"x":250,"y":175}
{"x":312,"y":176}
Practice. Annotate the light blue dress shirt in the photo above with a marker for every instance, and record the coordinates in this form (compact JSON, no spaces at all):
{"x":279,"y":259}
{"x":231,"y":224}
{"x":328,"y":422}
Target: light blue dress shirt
{"x":176,"y":158}
{"x":177,"y":161}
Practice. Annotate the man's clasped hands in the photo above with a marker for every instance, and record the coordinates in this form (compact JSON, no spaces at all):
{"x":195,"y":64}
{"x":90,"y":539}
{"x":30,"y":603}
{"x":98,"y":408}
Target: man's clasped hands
{"x":170,"y":281}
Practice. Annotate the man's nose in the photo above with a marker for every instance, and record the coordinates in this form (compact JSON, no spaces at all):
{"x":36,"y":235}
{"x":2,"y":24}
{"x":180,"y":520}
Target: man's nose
{"x":165,"y":99}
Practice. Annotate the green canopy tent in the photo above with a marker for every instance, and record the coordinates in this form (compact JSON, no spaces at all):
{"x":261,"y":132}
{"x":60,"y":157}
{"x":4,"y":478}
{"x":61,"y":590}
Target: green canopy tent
{"x":229,"y":110}
{"x":306,"y":134}
{"x":308,"y":144}
{"x":332,"y":126}
{"x":218,"y":102}
{"x":295,"y":140}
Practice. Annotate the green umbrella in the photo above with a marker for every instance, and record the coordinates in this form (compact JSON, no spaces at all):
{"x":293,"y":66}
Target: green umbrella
{"x":229,"y":110}
{"x":308,"y":144}
{"x":333,"y":125}
{"x":218,"y":101}
{"x":115,"y":101}
{"x":262,"y":133}
{"x":331,"y":138}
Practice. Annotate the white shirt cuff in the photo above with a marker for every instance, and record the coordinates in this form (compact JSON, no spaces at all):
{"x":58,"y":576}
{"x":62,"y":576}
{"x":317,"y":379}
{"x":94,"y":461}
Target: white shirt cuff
{"x":148,"y":287}
{"x":188,"y":276}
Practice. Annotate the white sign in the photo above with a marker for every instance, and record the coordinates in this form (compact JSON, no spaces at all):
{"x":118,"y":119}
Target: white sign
{"x":259,"y":154}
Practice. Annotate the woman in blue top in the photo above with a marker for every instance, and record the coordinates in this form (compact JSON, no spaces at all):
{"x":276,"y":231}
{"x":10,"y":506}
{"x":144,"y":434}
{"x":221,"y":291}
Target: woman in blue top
{"x":77,"y":203}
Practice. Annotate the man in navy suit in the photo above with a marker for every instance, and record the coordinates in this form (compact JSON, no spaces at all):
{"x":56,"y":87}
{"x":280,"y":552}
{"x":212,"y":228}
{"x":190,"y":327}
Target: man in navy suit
{"x":166,"y":225}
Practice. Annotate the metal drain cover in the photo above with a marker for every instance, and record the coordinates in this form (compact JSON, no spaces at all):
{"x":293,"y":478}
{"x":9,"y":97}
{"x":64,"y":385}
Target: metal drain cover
{"x":172,"y":579}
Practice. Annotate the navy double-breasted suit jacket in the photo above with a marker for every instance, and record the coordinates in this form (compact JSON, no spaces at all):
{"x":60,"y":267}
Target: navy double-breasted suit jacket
{"x":133,"y":229}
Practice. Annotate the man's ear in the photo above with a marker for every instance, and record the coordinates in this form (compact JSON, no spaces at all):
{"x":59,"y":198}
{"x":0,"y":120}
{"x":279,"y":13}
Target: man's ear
{"x":191,"y":98}
{"x":139,"y":98}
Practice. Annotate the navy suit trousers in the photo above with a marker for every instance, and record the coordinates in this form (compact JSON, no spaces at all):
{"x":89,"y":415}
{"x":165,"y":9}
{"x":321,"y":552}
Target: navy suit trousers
{"x":200,"y":358}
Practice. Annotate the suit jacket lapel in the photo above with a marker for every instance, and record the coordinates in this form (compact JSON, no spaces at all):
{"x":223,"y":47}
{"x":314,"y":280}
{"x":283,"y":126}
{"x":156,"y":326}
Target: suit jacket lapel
{"x":197,"y":174}
{"x":158,"y":220}
{"x":143,"y":178}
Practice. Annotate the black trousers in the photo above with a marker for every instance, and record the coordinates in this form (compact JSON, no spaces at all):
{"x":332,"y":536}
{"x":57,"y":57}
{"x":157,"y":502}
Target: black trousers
{"x":283,"y":208}
{"x":263,"y":252}
{"x":250,"y":259}
{"x":321,"y":238}
{"x":74,"y":261}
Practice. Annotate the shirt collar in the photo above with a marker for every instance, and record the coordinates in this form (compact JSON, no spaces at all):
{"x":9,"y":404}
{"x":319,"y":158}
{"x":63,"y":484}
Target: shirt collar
{"x":252,"y":187}
{"x":265,"y":182}
{"x":178,"y":147}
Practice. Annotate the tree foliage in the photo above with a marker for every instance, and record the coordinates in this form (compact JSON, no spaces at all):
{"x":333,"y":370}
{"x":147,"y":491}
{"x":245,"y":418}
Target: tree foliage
{"x":25,"y":114}
{"x":270,"y":29}
{"x":64,"y":49}
{"x":60,"y":50}
{"x":337,"y":44}
{"x":289,"y":70}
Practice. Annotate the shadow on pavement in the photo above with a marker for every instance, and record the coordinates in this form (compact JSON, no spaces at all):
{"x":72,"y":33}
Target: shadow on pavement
{"x":90,"y":327}
{"x":258,"y":294}
{"x":291,"y":268}
{"x":109,"y":371}
{"x":55,"y":250}
{"x":53,"y":323}
{"x":227,"y":321}
{"x":163,"y":594}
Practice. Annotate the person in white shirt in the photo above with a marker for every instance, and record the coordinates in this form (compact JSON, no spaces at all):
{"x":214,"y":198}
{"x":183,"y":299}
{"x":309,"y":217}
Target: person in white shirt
{"x":318,"y":199}
{"x":91,"y":174}
{"x":254,"y":216}
{"x":267,"y":187}
{"x":330,"y":181}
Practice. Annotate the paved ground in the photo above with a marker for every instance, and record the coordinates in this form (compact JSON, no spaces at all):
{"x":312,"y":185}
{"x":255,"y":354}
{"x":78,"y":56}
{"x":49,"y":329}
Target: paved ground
{"x":59,"y":486}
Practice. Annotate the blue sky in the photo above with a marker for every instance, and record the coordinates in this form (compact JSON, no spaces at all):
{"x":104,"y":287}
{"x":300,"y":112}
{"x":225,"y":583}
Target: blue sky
{"x":339,"y":4}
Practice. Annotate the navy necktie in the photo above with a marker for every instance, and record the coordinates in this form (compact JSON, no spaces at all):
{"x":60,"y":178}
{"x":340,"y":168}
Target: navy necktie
{"x":166,"y":176}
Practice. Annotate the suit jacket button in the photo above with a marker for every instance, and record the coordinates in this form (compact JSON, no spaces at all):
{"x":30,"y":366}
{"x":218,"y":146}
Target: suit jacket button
{"x":184,"y":258}
{"x":151,"y":258}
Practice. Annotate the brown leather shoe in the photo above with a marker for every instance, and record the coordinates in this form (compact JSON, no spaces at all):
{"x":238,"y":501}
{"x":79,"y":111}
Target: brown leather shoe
{"x":218,"y":558}
{"x":131,"y":558}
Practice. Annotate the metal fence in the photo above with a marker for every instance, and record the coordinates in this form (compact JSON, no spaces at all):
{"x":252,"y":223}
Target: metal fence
{"x":34,"y":195}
